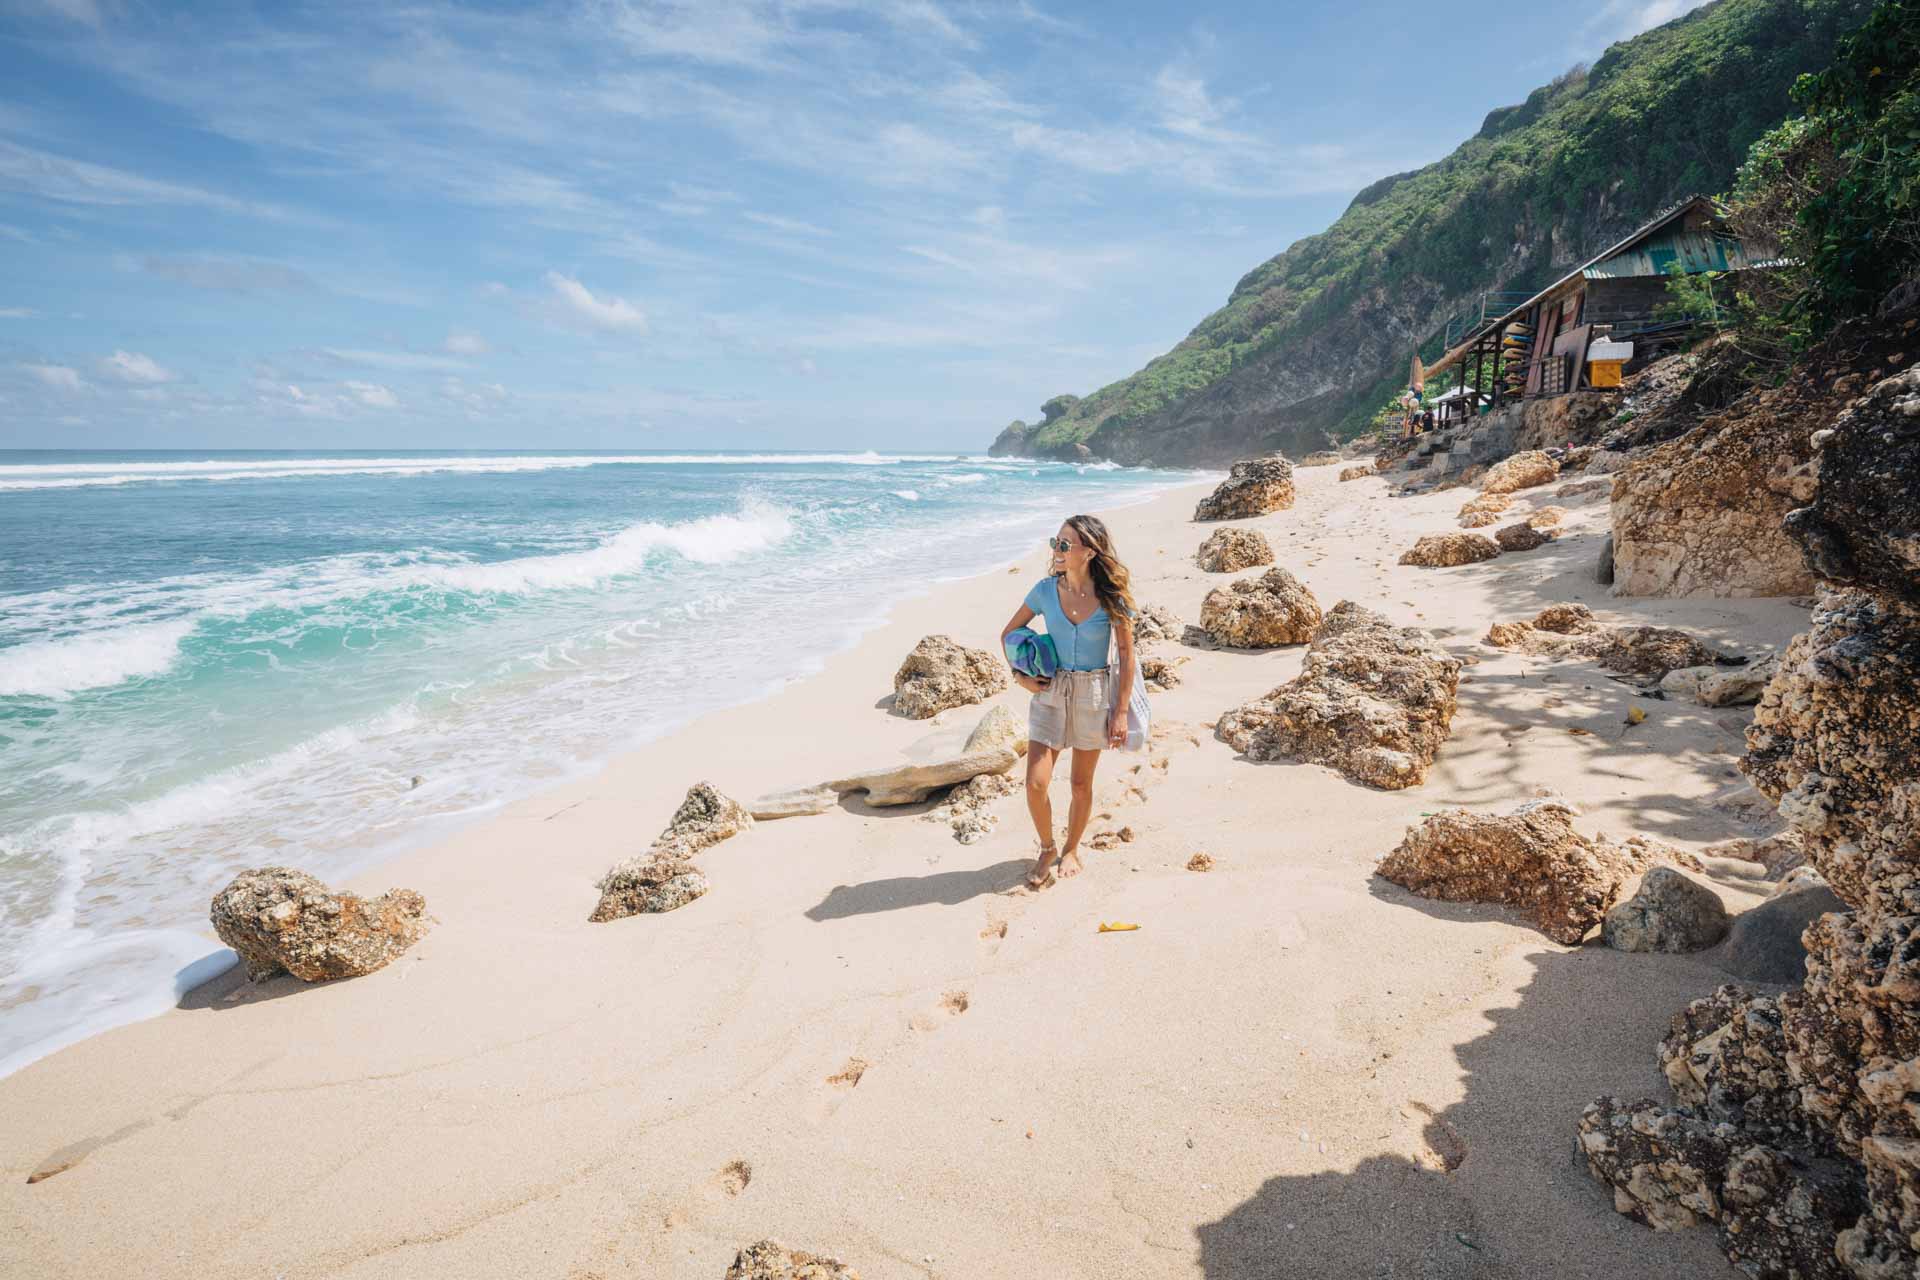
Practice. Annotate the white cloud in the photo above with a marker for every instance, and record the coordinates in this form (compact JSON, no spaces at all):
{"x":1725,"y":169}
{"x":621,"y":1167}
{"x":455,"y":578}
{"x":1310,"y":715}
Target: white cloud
{"x":373,"y":395}
{"x":57,"y":376}
{"x":86,"y":12}
{"x":131,"y":366}
{"x":1624,"y":19}
{"x":402,"y":360}
{"x":17,"y":313}
{"x":610,"y":313}
{"x":466,"y":344}
{"x":53,"y":177}
{"x":232,"y":275}
{"x":779,"y":223}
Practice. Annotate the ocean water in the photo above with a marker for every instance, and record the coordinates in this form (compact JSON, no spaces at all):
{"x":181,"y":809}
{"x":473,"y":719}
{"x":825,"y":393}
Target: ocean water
{"x":211,"y":661}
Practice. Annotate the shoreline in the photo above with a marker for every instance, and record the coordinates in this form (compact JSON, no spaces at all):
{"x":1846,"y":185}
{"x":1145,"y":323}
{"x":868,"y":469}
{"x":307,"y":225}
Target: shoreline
{"x":431,"y":829}
{"x":525,"y":1093}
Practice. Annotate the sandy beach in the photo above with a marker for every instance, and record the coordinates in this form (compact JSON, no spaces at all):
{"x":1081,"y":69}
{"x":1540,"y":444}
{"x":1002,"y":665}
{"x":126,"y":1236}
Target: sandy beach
{"x":868,"y":1040}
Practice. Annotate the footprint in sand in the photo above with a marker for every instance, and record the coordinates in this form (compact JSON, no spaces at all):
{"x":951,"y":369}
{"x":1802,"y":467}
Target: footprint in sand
{"x":732,"y":1178}
{"x":951,"y":1005}
{"x":849,"y":1076}
{"x":992,"y":936}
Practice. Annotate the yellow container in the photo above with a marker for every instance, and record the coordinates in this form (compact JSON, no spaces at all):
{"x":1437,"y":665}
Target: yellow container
{"x":1604,"y":373}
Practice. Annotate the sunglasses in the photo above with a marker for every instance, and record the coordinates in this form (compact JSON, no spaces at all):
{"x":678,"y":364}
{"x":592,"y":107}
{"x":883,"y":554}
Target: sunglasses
{"x":1062,"y":545}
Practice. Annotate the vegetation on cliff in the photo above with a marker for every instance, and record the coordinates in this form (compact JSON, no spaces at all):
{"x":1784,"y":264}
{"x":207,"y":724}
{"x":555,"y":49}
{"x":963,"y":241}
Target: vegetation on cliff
{"x":1585,"y":158}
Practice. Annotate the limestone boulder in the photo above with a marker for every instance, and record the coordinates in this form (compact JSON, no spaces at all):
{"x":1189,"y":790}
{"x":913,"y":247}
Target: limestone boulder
{"x":1862,"y":529}
{"x":1232,"y":549}
{"x":1443,"y":550}
{"x":1584,"y":488}
{"x":1567,"y":619}
{"x":1547,"y":517}
{"x":1252,"y":488}
{"x":1478,"y":520}
{"x":939,"y":760}
{"x":650,"y":883}
{"x":704,"y":818}
{"x":1776,"y":854}
{"x":794,"y":802}
{"x":1160,"y":674}
{"x":1157,"y":623}
{"x":1531,"y":859}
{"x":968,"y":810}
{"x":281,"y":920}
{"x":939,"y":674}
{"x":1650,"y":651}
{"x":1323,"y":458}
{"x":771,"y":1260}
{"x":1485,"y":504}
{"x":1716,"y":686}
{"x":1261,"y":613}
{"x":1373,"y":700}
{"x":1521,"y":471}
{"x":1360,"y":472}
{"x":1521,"y":537}
{"x":1668,"y":912}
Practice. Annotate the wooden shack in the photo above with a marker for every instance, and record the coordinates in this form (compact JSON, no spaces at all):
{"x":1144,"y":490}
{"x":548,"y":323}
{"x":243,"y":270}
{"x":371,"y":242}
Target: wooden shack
{"x":1540,"y":347}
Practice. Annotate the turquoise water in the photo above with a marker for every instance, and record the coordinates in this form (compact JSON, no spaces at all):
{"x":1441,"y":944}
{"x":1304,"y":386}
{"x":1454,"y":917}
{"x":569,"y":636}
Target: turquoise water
{"x":210,"y":661}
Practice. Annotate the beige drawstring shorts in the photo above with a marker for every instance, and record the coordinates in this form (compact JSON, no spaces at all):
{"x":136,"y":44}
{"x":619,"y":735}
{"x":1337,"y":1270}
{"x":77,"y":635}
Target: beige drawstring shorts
{"x":1073,"y":712}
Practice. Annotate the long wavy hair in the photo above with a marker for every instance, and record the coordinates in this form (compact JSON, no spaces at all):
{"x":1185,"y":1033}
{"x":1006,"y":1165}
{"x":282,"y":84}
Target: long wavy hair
{"x":1111,"y":581}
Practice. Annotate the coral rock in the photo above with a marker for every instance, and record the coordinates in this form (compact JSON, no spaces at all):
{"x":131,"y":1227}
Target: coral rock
{"x":1442,"y":550}
{"x":1521,"y":537}
{"x":1649,"y":651}
{"x":939,"y":674}
{"x":1259,"y":613}
{"x":1253,"y":488}
{"x":1160,"y":674}
{"x":650,"y":883}
{"x":1360,"y":472}
{"x":1373,"y":700}
{"x":703,"y":819}
{"x":771,"y":1260}
{"x":1668,"y":912}
{"x":1231,"y":550}
{"x":1478,"y":520}
{"x":1157,"y":623}
{"x":1531,"y":859}
{"x":280,"y":919}
{"x":1521,"y":471}
{"x":1547,"y":517}
{"x":1485,"y":504}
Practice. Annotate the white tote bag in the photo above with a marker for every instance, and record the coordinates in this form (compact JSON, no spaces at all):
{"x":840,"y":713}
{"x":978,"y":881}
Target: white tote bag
{"x":1139,"y":714}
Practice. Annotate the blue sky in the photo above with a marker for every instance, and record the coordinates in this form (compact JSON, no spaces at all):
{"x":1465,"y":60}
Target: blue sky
{"x":893,"y":224}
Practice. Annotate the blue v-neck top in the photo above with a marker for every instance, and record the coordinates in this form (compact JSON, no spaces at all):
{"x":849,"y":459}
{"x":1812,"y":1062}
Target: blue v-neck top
{"x":1082,"y":647}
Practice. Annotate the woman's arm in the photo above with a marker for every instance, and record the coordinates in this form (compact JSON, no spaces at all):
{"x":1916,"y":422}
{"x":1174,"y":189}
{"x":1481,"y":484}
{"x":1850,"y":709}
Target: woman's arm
{"x":1021,"y":617}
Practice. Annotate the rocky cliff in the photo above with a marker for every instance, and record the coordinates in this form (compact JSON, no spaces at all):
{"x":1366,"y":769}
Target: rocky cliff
{"x":1313,"y":340}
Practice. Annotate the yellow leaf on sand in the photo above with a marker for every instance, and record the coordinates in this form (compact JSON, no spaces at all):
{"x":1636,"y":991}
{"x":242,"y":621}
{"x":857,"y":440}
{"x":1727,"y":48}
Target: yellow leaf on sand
{"x":1635,"y":715}
{"x":1117,"y":926}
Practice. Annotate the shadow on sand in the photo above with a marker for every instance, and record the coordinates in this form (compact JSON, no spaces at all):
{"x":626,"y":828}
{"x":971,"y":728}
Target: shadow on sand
{"x":948,"y":888}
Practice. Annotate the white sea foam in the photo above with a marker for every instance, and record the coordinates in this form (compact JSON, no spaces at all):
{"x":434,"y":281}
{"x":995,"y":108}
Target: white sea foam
{"x":73,"y":475}
{"x":59,"y":668}
{"x":911,"y":495}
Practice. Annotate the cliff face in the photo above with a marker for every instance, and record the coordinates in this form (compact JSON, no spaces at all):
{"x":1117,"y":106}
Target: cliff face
{"x":1312,"y":341}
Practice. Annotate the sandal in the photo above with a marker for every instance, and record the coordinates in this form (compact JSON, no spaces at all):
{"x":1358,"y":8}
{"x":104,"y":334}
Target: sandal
{"x":1042,"y":875}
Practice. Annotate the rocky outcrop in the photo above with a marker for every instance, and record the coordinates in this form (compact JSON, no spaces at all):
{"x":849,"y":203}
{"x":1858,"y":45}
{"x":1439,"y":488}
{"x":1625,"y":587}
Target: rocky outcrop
{"x":939,"y":760}
{"x":939,"y":674}
{"x":1713,"y":686}
{"x":1254,"y":487}
{"x":1569,"y":631}
{"x":1764,"y":943}
{"x":1443,"y":550}
{"x":284,"y":921}
{"x":1160,"y":673}
{"x":647,"y":884}
{"x":1233,"y":549}
{"x":663,"y":878}
{"x":1531,"y":859}
{"x":1478,"y":520}
{"x":1795,"y":1126}
{"x":1373,"y":700}
{"x":771,"y":1260}
{"x":1547,"y":517}
{"x":1524,"y":470}
{"x":1521,"y":537}
{"x":1701,"y":515}
{"x":704,"y":818}
{"x":1668,"y":912}
{"x":967,"y":808}
{"x":794,"y":802}
{"x":1011,"y":442}
{"x":1157,"y":623}
{"x":1360,"y":472}
{"x":1484,"y":506}
{"x":1261,"y":613}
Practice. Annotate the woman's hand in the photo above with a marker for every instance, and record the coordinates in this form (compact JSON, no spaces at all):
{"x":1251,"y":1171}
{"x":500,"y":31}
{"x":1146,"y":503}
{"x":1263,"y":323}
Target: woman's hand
{"x":1117,"y":728}
{"x":1032,"y":684}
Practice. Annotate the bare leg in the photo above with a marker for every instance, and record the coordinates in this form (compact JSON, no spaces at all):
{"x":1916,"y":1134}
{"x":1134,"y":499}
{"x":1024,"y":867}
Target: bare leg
{"x":1079,"y":811}
{"x":1039,"y":774}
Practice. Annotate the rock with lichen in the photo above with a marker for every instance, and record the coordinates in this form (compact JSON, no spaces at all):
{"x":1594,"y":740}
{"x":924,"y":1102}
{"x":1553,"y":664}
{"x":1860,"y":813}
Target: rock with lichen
{"x":1261,"y":613}
{"x":1444,"y":550}
{"x":281,"y":920}
{"x":1253,"y":487}
{"x":771,"y":1260}
{"x":939,"y":674}
{"x":1232,"y":549}
{"x":1668,"y":912}
{"x":1523,"y":470}
{"x":1521,"y":536}
{"x":1373,"y":700}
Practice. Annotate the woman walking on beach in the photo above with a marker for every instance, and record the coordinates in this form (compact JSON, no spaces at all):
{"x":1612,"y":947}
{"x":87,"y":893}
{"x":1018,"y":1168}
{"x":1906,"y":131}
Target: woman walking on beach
{"x":1087,"y":601}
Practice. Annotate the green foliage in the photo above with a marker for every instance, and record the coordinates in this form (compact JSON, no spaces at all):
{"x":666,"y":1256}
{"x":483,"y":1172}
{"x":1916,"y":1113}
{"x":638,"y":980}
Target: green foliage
{"x":1666,"y":114}
{"x":1691,"y":297}
{"x":1861,"y":228}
